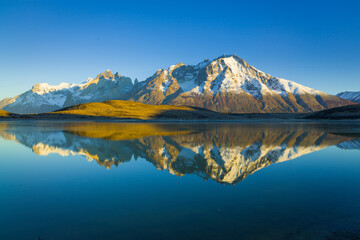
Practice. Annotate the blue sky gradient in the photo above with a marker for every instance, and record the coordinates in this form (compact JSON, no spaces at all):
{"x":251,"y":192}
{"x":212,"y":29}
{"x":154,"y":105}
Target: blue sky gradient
{"x":315,"y":43}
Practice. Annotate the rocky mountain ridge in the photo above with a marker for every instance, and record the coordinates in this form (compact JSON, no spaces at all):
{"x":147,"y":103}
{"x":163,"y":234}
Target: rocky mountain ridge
{"x":47,"y":98}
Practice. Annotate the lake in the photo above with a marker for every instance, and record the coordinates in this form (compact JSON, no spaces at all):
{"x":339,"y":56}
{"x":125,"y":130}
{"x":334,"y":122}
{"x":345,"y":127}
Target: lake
{"x":88,"y":180}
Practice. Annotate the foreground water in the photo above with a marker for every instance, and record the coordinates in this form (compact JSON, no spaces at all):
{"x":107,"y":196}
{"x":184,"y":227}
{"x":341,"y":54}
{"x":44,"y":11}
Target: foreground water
{"x":179,"y":181}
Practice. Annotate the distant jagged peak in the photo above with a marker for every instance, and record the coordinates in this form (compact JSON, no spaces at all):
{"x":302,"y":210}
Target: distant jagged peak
{"x":173,"y":67}
{"x":107,"y":74}
{"x":203,"y":63}
{"x":168,"y":70}
{"x":158,"y":71}
{"x":233,"y":65}
{"x":229,"y":61}
{"x":230,"y":57}
{"x":118,"y":76}
{"x":43,"y":88}
{"x":353,"y":96}
{"x":349,"y":93}
{"x":224,"y":56}
{"x":232,"y":60}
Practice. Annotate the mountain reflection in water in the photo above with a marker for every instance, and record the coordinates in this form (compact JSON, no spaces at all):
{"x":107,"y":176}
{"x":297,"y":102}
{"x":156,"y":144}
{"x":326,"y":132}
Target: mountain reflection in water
{"x":226,"y":153}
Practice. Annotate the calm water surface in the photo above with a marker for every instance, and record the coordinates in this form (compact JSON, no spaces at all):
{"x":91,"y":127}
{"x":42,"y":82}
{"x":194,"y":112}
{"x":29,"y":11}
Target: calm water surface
{"x":179,"y":181}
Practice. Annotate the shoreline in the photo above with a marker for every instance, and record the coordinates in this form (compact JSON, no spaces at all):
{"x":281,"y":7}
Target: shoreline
{"x":122,"y":120}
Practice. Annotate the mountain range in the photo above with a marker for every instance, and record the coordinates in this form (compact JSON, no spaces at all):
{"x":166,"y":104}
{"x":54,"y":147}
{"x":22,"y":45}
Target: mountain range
{"x":47,"y":98}
{"x":225,"y":84}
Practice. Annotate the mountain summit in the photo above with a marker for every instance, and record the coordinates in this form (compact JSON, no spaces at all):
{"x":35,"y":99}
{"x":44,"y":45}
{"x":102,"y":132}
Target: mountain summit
{"x":225,"y":84}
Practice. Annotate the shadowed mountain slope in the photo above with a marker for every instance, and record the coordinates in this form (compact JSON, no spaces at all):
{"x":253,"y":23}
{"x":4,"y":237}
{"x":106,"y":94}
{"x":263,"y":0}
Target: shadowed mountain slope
{"x":346,"y":112}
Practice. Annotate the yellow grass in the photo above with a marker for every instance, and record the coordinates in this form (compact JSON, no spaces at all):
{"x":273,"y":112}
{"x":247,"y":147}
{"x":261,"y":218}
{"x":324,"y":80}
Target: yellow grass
{"x":120,"y":109}
{"x":4,"y":113}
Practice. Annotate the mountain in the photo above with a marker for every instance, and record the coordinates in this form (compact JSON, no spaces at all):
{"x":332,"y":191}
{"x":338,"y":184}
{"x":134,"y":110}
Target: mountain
{"x":46,"y":98}
{"x":229,"y":84}
{"x":226,"y":153}
{"x":106,"y":86}
{"x":225,"y":84}
{"x":351,"y":96}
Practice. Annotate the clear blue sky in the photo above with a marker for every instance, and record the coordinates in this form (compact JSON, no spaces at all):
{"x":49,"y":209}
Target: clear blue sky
{"x":315,"y":43}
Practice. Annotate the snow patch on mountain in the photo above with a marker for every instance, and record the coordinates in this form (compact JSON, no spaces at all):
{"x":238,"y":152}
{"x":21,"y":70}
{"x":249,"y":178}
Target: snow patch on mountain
{"x":165,"y":85}
{"x":190,"y":86}
{"x":43,"y":88}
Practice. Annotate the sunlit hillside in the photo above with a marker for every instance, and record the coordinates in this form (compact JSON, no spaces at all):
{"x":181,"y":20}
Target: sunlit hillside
{"x":4,"y":113}
{"x":134,"y":110}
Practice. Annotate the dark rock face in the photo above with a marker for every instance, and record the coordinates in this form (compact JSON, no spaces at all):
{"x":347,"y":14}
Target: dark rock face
{"x":104,"y":87}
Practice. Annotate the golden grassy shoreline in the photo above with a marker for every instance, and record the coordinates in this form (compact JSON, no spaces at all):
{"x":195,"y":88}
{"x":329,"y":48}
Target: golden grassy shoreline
{"x":134,"y":111}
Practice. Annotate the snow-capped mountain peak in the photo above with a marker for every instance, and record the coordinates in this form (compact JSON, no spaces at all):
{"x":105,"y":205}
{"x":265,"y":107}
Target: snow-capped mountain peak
{"x":351,"y":96}
{"x":229,"y":84}
{"x":43,"y":88}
